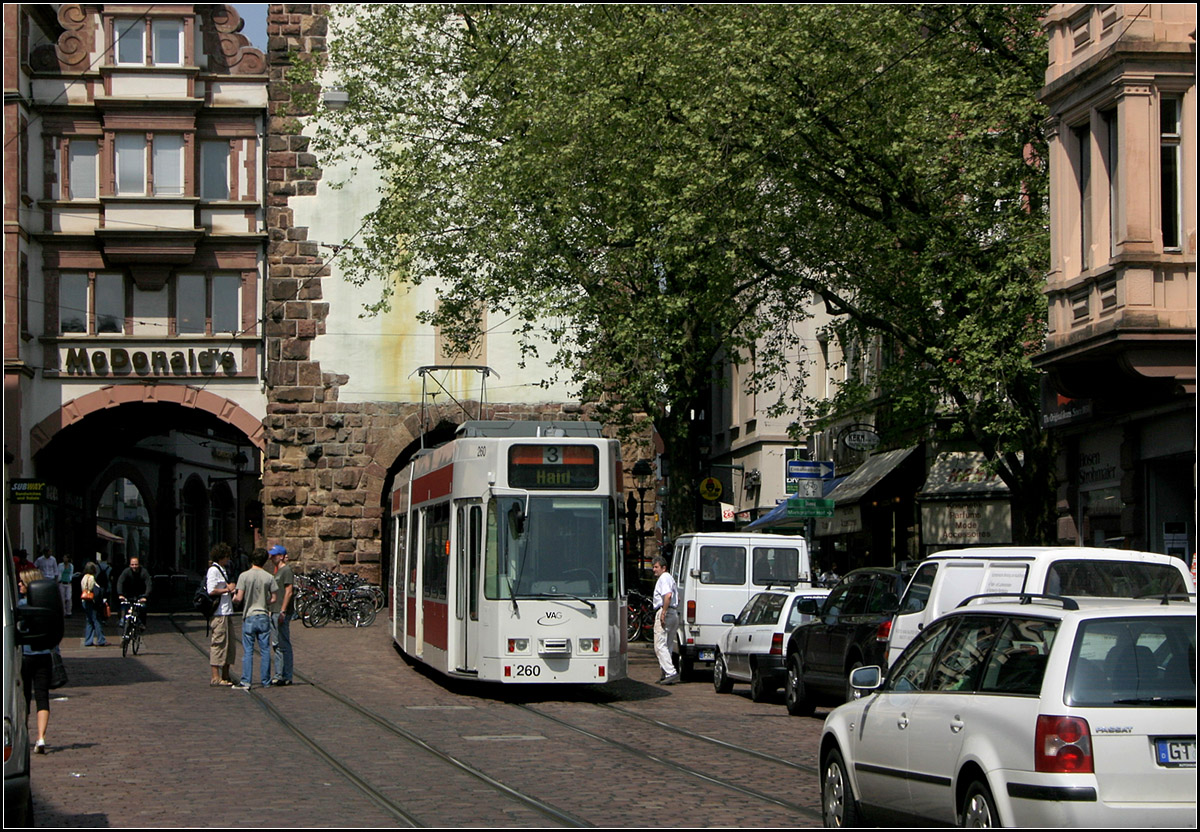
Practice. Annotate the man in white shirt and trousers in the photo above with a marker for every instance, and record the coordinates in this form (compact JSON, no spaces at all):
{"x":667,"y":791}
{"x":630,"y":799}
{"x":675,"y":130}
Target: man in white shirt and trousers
{"x":666,"y":619}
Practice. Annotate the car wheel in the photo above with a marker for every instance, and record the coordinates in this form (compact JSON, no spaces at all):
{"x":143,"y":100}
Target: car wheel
{"x":759,"y":690}
{"x":838,"y":807}
{"x":851,"y":693}
{"x":798,"y":703}
{"x":978,"y":809}
{"x":721,"y":681}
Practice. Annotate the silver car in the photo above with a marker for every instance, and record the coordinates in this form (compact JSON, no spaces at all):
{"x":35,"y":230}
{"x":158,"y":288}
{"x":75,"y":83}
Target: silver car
{"x":751,"y":648}
{"x":1036,"y":711}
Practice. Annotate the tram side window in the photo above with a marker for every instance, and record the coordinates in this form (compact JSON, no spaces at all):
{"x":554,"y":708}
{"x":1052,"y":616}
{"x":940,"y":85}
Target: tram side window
{"x":437,"y":552}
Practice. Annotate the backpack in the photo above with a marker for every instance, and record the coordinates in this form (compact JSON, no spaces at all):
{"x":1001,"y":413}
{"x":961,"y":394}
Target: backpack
{"x":202,"y":602}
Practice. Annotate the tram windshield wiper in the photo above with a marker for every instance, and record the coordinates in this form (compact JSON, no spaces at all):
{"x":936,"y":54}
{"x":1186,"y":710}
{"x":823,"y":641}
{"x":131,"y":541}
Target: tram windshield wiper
{"x":564,"y":595}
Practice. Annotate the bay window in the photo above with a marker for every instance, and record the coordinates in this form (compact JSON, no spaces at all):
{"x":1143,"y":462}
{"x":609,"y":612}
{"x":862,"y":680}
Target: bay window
{"x":131,"y":164}
{"x":82,"y":155}
{"x":208,"y":304}
{"x":91,"y":303}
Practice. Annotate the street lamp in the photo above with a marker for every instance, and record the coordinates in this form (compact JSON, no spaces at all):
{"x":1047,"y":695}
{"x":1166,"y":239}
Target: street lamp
{"x":643,"y":473}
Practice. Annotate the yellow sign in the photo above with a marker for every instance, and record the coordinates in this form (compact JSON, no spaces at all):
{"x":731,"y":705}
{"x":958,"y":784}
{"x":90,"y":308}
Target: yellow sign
{"x":710,"y":488}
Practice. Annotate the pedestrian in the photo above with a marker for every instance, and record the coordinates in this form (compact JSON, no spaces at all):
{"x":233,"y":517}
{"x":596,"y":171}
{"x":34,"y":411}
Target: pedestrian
{"x":104,"y":584}
{"x":666,"y":618}
{"x":256,"y":591}
{"x":135,"y":584}
{"x":37,"y":667}
{"x":89,"y":597}
{"x":281,"y":614}
{"x":47,"y":564}
{"x":222,"y":649}
{"x":66,"y":574}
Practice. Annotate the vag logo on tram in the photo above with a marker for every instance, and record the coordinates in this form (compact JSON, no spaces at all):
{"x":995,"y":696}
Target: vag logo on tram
{"x":550,"y":619}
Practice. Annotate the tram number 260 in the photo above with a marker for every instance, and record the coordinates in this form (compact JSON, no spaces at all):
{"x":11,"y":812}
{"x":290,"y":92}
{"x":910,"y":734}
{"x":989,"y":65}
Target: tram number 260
{"x":527,"y":670}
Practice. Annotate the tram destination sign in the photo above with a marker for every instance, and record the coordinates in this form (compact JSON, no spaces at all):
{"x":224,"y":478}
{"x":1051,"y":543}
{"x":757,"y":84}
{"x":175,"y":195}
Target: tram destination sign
{"x":554,"y":467}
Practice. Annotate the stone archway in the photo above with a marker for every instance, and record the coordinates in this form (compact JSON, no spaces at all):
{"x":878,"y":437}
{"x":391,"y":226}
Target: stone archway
{"x":76,"y":410}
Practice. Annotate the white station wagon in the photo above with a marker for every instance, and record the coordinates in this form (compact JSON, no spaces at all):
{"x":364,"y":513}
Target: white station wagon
{"x":1036,"y":711}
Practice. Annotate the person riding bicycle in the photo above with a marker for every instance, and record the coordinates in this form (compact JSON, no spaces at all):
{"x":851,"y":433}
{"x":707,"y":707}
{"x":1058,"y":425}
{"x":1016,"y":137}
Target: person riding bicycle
{"x":135,"y":583}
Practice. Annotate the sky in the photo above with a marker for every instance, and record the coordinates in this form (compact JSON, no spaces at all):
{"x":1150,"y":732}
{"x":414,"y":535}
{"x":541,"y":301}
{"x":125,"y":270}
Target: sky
{"x":254,"y":16}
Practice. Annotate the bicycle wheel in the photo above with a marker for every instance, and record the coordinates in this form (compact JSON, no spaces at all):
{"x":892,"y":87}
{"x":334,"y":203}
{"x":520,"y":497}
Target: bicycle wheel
{"x":137,"y":641}
{"x":361,"y":613}
{"x":633,"y":624}
{"x":318,"y":614}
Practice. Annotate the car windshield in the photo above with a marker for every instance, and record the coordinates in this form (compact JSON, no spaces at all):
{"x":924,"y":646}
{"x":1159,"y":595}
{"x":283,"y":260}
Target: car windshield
{"x":541,"y":547}
{"x":1137,"y":662}
{"x":1114,"y":579}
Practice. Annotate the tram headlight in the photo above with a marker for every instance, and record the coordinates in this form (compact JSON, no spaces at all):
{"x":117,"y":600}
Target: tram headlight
{"x":518,"y":645}
{"x":589,"y":645}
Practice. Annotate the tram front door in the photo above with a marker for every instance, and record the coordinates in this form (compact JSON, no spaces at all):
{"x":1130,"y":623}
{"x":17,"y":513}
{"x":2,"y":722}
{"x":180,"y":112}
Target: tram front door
{"x":469,"y":519}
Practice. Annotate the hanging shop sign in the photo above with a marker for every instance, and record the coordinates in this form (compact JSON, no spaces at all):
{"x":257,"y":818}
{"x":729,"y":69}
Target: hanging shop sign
{"x":147,"y":363}
{"x":860,"y":438}
{"x":710,"y":488}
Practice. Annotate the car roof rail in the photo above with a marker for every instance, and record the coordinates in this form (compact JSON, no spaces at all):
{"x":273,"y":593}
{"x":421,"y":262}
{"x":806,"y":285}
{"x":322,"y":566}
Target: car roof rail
{"x":1023,"y":598}
{"x":1168,"y":597}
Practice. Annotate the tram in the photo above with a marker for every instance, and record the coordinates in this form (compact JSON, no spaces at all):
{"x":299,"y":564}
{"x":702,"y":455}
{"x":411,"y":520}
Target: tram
{"x":506,"y":559}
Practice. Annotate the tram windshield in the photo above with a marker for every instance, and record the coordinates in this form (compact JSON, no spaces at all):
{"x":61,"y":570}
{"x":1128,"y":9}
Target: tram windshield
{"x":544,"y":546}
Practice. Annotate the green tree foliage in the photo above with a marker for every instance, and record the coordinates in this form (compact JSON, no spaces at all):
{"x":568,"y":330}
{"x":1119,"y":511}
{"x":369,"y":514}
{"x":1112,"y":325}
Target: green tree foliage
{"x":651,"y":187}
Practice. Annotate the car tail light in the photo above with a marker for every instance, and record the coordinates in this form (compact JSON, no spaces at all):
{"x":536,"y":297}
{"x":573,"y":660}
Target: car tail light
{"x":691,"y":612}
{"x":1063,"y":744}
{"x":777,"y":644}
{"x":885,"y":630}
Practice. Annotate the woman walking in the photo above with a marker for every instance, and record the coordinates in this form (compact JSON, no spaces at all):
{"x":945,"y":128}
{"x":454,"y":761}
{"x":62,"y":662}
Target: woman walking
{"x":36,"y":668}
{"x":89,"y":595}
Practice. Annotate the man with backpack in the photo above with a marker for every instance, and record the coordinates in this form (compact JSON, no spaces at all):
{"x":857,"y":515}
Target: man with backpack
{"x":222,"y":648}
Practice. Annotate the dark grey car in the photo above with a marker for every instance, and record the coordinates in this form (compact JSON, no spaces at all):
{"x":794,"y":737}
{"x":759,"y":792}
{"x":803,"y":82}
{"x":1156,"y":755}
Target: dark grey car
{"x":849,"y":631}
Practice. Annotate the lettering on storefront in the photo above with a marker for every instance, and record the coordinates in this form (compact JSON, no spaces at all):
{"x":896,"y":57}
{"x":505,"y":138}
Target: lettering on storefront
{"x":117,"y":361}
{"x":987,"y":521}
{"x":1095,"y":470}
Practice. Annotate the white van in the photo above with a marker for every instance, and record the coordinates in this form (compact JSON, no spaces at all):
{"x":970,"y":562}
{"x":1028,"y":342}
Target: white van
{"x":945,"y":579}
{"x":717,"y":572}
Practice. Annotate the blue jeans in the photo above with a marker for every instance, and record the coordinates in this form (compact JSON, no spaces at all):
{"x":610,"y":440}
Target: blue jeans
{"x":91,"y":625}
{"x":281,"y":648}
{"x":257,"y":628}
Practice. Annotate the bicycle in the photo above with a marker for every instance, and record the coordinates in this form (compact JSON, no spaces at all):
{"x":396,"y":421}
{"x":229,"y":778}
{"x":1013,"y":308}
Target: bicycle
{"x":641,"y":615}
{"x":132,"y":628}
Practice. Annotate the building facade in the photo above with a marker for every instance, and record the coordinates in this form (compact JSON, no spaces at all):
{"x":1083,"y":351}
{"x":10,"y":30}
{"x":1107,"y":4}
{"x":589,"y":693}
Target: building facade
{"x":134,"y":246}
{"x":1120,"y":353}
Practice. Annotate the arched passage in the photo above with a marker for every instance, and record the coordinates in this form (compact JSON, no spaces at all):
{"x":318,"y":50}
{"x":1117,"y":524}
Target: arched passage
{"x":169,"y":469}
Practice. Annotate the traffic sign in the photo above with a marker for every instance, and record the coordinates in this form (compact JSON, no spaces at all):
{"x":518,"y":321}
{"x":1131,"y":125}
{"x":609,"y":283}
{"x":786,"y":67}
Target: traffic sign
{"x":809,"y":507}
{"x":810,"y":469}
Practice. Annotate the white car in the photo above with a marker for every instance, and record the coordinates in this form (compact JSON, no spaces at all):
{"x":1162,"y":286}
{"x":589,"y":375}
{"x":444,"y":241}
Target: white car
{"x":751,"y":648}
{"x":1035,"y":711}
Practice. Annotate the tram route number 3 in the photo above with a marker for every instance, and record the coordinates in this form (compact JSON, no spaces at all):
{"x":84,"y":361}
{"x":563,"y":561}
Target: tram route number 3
{"x":527,"y":670}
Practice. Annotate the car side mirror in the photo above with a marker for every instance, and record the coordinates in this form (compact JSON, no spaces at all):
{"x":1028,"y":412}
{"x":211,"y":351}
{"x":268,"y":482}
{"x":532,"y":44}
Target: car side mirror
{"x":808,"y":606}
{"x":866,"y":678}
{"x":40,"y":621}
{"x":728,"y":618}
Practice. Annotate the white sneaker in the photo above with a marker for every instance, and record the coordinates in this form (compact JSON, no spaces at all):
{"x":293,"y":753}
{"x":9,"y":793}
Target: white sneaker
{"x":40,"y":747}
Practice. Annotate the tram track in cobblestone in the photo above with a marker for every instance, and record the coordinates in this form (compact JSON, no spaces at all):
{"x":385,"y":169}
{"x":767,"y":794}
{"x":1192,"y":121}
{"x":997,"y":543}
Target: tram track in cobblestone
{"x":376,"y":795}
{"x":644,"y":752}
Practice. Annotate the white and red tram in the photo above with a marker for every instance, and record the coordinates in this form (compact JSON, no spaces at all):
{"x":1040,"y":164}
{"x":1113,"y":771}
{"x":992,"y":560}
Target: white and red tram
{"x":506,"y":559}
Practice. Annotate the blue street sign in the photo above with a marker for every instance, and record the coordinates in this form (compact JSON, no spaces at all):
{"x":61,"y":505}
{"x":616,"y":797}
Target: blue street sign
{"x":805,"y":469}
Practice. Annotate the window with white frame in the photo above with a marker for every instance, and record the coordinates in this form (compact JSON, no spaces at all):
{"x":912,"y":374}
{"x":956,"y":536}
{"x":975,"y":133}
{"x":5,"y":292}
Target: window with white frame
{"x":131,"y":41}
{"x":208,"y":304}
{"x":165,"y":38}
{"x":82,"y":156}
{"x":167,"y":42}
{"x":163,"y":177}
{"x":214,"y":170}
{"x":131,"y":164}
{"x":1169,"y":171}
{"x":168,"y":164}
{"x":91,"y":303}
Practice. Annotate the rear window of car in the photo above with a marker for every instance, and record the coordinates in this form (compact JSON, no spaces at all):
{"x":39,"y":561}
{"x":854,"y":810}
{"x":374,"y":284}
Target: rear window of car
{"x":1134,"y":662}
{"x":1113,"y":579}
{"x":722,"y":565}
{"x":776,"y":565}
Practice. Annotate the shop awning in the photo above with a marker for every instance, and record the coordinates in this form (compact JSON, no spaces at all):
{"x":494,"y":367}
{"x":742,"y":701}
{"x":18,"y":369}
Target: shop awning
{"x":962,"y":475}
{"x":776,"y":518}
{"x":867,"y":476}
{"x":105,"y":534}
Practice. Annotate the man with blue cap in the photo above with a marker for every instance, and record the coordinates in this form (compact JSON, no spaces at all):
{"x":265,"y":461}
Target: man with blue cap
{"x":281,"y":614}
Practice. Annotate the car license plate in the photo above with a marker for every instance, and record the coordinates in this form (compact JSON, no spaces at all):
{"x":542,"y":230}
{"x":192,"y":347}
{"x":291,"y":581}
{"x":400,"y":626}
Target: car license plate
{"x":1176,"y":753}
{"x":707,"y":655}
